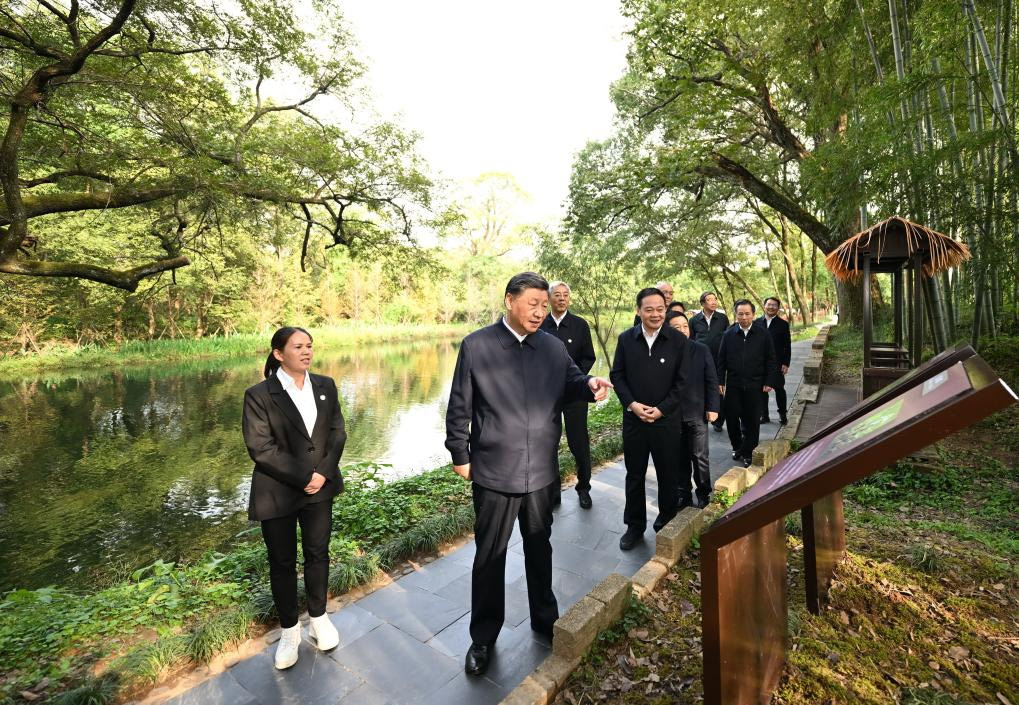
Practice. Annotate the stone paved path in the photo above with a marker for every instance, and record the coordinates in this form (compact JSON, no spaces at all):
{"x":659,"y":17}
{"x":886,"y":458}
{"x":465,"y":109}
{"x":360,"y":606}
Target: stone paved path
{"x":405,"y":642}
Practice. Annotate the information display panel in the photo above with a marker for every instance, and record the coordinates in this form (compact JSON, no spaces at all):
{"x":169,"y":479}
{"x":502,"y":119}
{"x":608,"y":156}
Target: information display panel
{"x":939,"y":405}
{"x":936,"y":364}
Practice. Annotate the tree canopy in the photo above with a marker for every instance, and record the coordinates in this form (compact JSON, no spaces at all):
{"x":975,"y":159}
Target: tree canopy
{"x":149,"y":127}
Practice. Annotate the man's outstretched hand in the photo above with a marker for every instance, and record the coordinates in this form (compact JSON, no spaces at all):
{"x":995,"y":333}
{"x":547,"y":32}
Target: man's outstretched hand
{"x":600,"y":386}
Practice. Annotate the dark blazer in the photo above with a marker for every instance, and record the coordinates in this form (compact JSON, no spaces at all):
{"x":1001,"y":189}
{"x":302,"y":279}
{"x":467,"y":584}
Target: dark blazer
{"x":747,"y":362}
{"x":285,"y":457}
{"x":575,"y":334}
{"x":710,"y":336}
{"x":505,"y":406}
{"x":780,"y":337}
{"x":653,"y":377}
{"x":700,"y":383}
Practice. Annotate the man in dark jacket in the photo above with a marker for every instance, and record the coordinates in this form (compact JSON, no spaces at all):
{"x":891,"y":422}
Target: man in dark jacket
{"x":648,"y":381}
{"x":707,"y":326}
{"x":780,"y":337}
{"x":503,"y":429}
{"x":575,"y":334}
{"x":746,"y":367}
{"x":699,"y":406}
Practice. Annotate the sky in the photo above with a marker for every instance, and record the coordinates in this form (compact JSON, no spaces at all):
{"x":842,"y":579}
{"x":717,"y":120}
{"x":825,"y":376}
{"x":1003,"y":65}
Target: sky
{"x":514,"y":87}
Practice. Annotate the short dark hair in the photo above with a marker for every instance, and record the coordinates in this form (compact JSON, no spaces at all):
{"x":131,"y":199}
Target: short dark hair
{"x":649,"y":291}
{"x":676,"y":304}
{"x":706,"y":294}
{"x":773,"y":298}
{"x":278,"y":342}
{"x":526,"y":280}
{"x":675,"y":314}
{"x":744,"y":302}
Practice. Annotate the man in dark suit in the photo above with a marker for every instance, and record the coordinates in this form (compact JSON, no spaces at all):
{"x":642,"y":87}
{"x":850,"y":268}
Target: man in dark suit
{"x":699,"y":406}
{"x":707,"y":326}
{"x":503,"y":429}
{"x":780,"y":337}
{"x":647,"y":378}
{"x":746,"y":367}
{"x":575,"y":334}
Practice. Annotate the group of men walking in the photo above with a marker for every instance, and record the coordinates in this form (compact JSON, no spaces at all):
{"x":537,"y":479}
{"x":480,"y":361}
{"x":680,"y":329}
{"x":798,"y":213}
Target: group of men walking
{"x":518,"y":379}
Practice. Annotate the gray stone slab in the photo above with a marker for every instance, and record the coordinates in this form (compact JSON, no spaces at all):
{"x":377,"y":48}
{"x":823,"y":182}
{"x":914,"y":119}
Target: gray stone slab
{"x":397,"y":664}
{"x":582,"y":561}
{"x":457,"y":591}
{"x":352,"y":622}
{"x":315,"y":679}
{"x":434,"y":575}
{"x":223,"y":688}
{"x":417,"y":612}
{"x":516,"y":656}
{"x":517,"y":609}
{"x":467,"y":690}
{"x":454,"y":640}
{"x":366,"y":694}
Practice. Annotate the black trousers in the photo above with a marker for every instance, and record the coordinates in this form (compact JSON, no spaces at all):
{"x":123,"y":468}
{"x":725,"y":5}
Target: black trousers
{"x":694,"y":458}
{"x":495,"y":512}
{"x":577,"y":438}
{"x":720,"y":421}
{"x":780,"y":398}
{"x":280,"y":537}
{"x":743,"y":411}
{"x":658,"y":440}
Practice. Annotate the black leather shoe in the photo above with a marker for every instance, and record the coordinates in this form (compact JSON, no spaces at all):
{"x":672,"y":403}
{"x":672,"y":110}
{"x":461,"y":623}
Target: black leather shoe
{"x":702,"y":501}
{"x":765,"y":419}
{"x":630,"y":539}
{"x":736,"y":455}
{"x":543,"y":630}
{"x":477,"y":659}
{"x":783,"y":420}
{"x":660,"y":522}
{"x":747,"y":462}
{"x":585,"y":499}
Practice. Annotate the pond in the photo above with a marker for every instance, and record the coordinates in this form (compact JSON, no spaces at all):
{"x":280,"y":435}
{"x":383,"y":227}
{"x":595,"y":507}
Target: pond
{"x":102,"y":473}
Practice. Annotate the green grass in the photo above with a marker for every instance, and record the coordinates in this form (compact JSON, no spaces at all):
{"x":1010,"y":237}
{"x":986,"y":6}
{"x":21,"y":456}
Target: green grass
{"x":149,"y":352}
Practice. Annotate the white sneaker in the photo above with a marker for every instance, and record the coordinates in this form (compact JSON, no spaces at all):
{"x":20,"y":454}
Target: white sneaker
{"x":324,"y":633}
{"x":286,"y":650}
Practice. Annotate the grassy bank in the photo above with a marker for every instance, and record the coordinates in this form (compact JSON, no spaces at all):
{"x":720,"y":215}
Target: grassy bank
{"x":155,"y":352}
{"x":116,"y":643}
{"x":922,"y":609}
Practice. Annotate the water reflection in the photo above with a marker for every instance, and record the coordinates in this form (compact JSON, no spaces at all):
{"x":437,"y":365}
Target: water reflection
{"x":103,"y":472}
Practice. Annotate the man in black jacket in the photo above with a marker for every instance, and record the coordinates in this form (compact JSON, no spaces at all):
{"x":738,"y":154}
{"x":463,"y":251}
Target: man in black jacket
{"x":503,"y":429}
{"x":780,"y":337}
{"x":707,"y":326}
{"x":648,"y":381}
{"x":575,"y":334}
{"x":746,"y":366}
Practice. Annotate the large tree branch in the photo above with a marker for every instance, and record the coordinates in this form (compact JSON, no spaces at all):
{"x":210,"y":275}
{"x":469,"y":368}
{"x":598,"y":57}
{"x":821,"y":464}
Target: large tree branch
{"x":721,"y":167}
{"x":127,"y":279}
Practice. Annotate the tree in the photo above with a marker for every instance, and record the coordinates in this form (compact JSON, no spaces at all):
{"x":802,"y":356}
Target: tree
{"x":162,"y":110}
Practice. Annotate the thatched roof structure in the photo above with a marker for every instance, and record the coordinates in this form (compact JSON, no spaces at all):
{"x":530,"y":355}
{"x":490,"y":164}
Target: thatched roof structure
{"x":893,"y":241}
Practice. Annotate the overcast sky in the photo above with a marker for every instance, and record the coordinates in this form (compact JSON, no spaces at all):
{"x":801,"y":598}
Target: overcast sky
{"x":517,"y":86}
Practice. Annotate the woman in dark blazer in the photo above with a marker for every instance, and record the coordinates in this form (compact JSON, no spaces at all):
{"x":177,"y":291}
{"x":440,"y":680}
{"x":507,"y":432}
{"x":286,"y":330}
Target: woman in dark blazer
{"x":699,"y":406}
{"x":293,"y":429}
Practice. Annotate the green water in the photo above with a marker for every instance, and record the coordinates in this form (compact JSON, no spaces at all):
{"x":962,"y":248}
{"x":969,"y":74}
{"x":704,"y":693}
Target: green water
{"x":103,"y":472}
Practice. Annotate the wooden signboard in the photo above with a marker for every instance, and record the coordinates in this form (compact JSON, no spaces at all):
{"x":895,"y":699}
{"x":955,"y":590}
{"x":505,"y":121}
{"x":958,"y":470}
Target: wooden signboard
{"x":913,"y":419}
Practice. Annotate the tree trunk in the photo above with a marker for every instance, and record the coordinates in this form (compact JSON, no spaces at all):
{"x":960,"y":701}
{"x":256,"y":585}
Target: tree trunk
{"x":850,"y":298}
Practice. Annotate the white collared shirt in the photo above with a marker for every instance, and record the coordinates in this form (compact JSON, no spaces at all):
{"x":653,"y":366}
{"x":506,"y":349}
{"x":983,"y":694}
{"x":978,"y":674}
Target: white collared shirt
{"x":304,"y":399}
{"x":767,"y":320}
{"x":707,"y":316}
{"x":520,"y":338}
{"x":558,"y":320}
{"x":649,"y":338}
{"x":746,"y":331}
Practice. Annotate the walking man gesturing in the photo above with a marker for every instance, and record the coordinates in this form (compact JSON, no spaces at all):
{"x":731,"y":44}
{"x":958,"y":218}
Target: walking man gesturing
{"x":502,"y":429}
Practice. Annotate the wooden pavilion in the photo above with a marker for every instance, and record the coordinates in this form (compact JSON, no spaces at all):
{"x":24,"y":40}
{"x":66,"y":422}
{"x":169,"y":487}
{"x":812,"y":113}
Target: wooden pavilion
{"x":909,"y":252}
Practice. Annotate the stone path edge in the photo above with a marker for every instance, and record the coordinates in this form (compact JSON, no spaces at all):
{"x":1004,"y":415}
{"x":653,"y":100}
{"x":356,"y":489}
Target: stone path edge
{"x":603,"y":606}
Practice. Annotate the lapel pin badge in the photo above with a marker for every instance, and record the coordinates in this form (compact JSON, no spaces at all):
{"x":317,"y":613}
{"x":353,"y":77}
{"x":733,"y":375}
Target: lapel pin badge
{"x":322,"y":397}
{"x":569,"y":340}
{"x":662,"y":361}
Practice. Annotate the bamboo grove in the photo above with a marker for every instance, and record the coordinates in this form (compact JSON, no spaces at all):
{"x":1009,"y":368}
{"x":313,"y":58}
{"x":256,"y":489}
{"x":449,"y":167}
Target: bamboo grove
{"x":742,"y":126}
